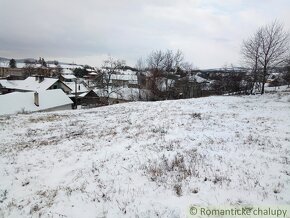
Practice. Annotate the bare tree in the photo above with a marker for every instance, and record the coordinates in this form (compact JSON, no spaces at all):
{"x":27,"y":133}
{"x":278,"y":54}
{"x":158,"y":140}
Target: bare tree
{"x":58,"y":69}
{"x":266,"y":49}
{"x":286,"y":75}
{"x":251,"y":54}
{"x":30,"y":67}
{"x":172,"y":62}
{"x":155,"y":67}
{"x":155,"y":60}
{"x":162,"y":67}
{"x":110,"y":67}
{"x":140,"y":65}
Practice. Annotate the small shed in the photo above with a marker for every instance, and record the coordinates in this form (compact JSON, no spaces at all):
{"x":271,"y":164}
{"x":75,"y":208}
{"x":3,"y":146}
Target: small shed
{"x":89,"y":98}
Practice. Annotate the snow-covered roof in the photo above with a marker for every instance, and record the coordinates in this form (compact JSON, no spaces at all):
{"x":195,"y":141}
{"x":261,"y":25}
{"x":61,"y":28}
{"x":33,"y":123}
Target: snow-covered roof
{"x":32,"y":83}
{"x":128,"y":71}
{"x":29,"y":84}
{"x":120,"y":71}
{"x":68,"y":76}
{"x":66,"y":71}
{"x":4,"y":63}
{"x":10,"y":84}
{"x":132,"y":79}
{"x":80,"y":87}
{"x":24,"y":101}
{"x":198,"y":79}
{"x":85,"y":93}
{"x":70,"y":66}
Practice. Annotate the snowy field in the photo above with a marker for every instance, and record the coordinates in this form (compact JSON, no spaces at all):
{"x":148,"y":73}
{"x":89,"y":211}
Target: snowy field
{"x":146,"y":159}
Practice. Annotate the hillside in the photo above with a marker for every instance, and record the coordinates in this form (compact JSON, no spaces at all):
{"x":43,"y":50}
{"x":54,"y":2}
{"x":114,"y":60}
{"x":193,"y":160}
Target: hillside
{"x":146,"y":159}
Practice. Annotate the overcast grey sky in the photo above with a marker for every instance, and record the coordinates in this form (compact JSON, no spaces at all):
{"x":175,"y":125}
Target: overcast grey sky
{"x":209,"y":32}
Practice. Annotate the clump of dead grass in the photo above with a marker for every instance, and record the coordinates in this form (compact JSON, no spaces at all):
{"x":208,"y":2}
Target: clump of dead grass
{"x":174,"y":170}
{"x":47,"y":118}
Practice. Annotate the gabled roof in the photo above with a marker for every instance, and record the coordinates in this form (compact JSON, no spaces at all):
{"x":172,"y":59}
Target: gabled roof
{"x":68,"y":76}
{"x":29,"y":84}
{"x":24,"y":101}
{"x":70,"y":66}
{"x":33,"y":84}
{"x":85,"y":93}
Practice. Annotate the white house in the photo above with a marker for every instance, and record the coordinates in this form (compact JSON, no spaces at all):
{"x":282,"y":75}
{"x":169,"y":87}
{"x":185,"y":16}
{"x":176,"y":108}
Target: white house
{"x":47,"y":100}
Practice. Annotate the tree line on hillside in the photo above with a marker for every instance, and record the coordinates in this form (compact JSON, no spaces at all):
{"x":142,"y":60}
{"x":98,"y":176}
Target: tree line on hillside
{"x":37,"y":66}
{"x":168,"y":76}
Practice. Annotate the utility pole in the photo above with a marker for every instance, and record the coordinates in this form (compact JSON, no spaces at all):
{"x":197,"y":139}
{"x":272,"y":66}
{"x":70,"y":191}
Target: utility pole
{"x":76,"y":100}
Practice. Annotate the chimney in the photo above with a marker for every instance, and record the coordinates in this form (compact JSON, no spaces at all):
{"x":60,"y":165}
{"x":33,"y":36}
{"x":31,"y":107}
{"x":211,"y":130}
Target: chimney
{"x":41,"y":78}
{"x":36,"y":99}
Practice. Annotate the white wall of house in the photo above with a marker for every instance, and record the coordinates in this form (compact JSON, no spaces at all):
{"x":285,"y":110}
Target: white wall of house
{"x":60,"y":85}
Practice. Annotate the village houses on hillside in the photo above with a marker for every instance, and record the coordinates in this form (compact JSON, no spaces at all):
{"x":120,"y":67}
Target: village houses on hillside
{"x":97,"y":87}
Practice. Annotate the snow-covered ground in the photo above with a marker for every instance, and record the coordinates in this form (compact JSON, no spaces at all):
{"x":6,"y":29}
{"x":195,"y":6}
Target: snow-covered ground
{"x":145,"y":159}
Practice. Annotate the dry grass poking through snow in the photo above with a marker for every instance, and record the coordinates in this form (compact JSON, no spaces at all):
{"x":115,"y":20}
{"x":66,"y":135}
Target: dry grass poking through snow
{"x":146,"y":159}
